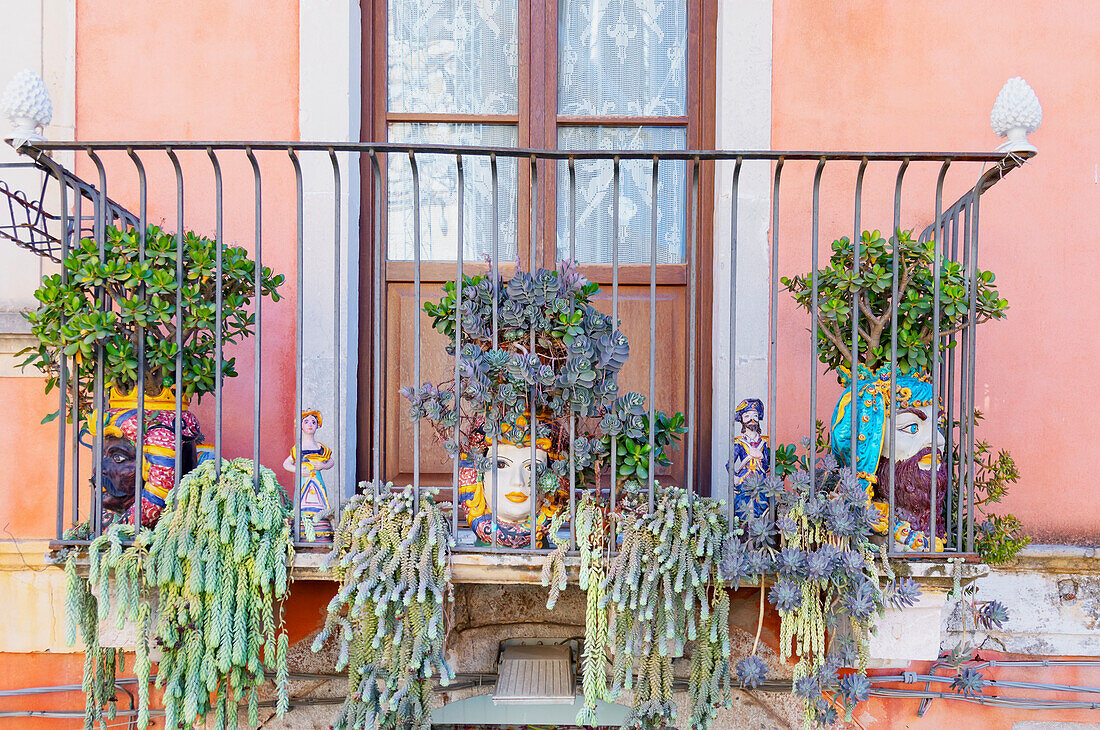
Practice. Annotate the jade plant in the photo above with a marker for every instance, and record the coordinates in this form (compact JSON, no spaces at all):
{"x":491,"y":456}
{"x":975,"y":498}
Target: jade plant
{"x":137,"y":293}
{"x":998,"y":537}
{"x":218,"y":561}
{"x":391,"y":556}
{"x":836,"y":284}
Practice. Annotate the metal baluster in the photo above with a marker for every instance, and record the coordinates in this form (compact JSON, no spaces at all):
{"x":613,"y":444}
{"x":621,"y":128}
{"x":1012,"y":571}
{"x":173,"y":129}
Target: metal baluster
{"x":534,"y":420}
{"x":495,"y":276}
{"x":890,"y":510}
{"x":139,"y":476}
{"x":854,"y":402}
{"x":814,"y":295}
{"x":259,"y":300}
{"x":652,"y":329}
{"x":973,"y":368}
{"x":965,"y":405}
{"x":773,"y":329}
{"x":100,"y":208}
{"x":340,"y":485}
{"x":219,"y":375}
{"x":572,"y":412}
{"x":455,"y":495}
{"x":296,"y":528}
{"x":74,"y":416}
{"x":376,"y":349}
{"x":178,"y":379}
{"x":693,"y":274}
{"x":938,"y":241}
{"x":416,"y":322}
{"x":614,"y":485}
{"x":954,"y":213}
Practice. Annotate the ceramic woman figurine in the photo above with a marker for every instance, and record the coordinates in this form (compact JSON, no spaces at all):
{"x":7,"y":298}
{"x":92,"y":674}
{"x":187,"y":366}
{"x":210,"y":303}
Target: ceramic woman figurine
{"x":511,"y":497}
{"x":312,"y":493}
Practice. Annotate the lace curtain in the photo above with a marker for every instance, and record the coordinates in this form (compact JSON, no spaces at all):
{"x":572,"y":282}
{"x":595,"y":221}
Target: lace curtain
{"x":452,"y":57}
{"x":439,"y":194}
{"x":622,"y":57}
{"x":616,"y":57}
{"x":595,"y":186}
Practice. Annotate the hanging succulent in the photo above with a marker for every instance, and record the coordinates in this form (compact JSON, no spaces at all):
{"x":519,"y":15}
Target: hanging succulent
{"x":220,"y":556}
{"x":658,"y":599}
{"x":119,"y":569}
{"x":652,"y":598}
{"x":591,"y":536}
{"x":392,"y":558}
{"x":826,"y":579}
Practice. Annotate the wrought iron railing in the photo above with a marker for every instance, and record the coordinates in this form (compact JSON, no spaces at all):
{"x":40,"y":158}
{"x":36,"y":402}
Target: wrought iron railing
{"x":954,"y":229}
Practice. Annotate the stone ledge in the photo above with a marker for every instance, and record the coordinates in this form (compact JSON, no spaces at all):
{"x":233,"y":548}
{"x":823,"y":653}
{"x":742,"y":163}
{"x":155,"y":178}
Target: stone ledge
{"x":1055,"y":559}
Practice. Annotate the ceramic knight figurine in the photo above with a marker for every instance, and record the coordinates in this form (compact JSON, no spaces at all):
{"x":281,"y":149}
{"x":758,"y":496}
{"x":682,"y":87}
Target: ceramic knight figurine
{"x":751,"y":457}
{"x":915,"y":436}
{"x":312,"y":493}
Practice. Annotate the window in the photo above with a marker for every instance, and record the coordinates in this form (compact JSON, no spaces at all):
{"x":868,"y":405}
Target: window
{"x":454,"y":76}
{"x":565,"y":74}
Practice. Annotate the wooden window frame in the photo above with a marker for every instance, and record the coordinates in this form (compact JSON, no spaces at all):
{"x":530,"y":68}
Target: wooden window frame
{"x":538,"y":128}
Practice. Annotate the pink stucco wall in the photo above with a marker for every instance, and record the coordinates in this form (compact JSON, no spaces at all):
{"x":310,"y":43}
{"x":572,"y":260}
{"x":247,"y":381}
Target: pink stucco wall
{"x":206,"y":70}
{"x":923,"y":76}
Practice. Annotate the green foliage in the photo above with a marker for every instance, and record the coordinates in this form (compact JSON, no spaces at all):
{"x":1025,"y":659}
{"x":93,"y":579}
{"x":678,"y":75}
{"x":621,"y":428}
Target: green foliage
{"x":632,"y":446}
{"x":837,"y":285}
{"x":88,"y":602}
{"x":392,"y":558}
{"x":70,"y":320}
{"x":591,"y":525}
{"x":657,"y":597}
{"x":219,"y":559}
{"x":997,"y":538}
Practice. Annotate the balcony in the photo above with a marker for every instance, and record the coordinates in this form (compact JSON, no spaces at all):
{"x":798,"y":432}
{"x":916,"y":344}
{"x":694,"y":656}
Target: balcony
{"x":366,"y":234}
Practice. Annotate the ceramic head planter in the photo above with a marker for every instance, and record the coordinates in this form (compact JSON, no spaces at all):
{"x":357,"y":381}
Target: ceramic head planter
{"x":751,"y":457}
{"x":312,"y":492}
{"x":118,"y":458}
{"x":915,"y":437}
{"x":506,"y":487}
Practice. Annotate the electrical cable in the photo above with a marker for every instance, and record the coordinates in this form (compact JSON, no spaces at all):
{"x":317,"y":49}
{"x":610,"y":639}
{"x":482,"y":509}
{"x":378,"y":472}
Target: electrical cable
{"x":476,"y":679}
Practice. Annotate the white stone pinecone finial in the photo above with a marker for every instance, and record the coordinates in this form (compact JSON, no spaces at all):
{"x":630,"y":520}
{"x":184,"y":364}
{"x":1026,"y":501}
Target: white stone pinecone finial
{"x":26,"y":104}
{"x":1016,"y":114}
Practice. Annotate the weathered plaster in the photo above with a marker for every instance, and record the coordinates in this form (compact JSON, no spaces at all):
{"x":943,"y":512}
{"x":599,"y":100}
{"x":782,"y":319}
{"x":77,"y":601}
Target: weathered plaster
{"x":1053,"y":598}
{"x":742,"y":121}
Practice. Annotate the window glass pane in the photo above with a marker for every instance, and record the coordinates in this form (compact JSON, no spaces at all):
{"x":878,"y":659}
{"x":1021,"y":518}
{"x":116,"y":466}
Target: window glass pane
{"x":622,"y":57}
{"x":439,"y":194}
{"x":594,"y":195}
{"x":453,"y":56}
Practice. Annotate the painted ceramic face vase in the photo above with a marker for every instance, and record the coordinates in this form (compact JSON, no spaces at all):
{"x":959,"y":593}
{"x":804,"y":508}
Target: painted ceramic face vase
{"x":119,"y":458}
{"x":915,"y":436}
{"x":513,"y":482}
{"x":512,"y":498}
{"x":912,"y":468}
